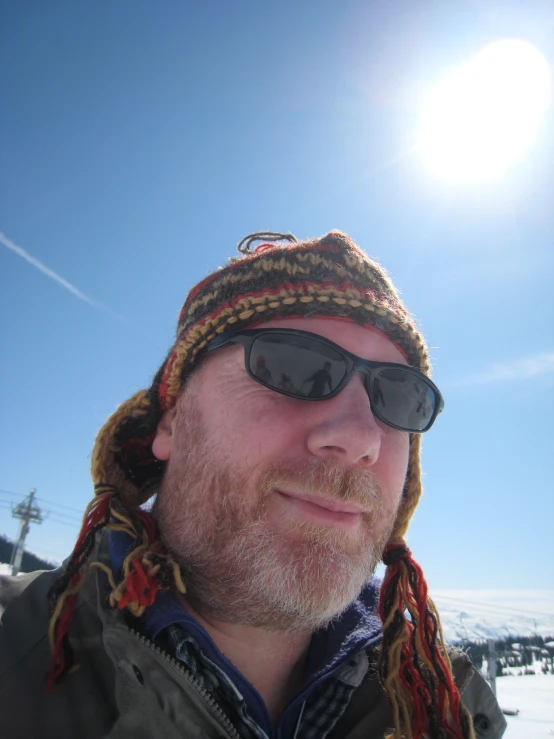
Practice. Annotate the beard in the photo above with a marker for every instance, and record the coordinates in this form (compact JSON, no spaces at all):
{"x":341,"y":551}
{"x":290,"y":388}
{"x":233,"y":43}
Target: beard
{"x":240,"y":567}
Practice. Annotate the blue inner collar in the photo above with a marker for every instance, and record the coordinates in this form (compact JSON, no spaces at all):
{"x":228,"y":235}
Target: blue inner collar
{"x":357,"y":628}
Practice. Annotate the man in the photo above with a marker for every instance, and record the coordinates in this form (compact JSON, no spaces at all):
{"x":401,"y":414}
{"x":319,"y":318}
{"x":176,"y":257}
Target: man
{"x":320,"y":379}
{"x":243,"y":606}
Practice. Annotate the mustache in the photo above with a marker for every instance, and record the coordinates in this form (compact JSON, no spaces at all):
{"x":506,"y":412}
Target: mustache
{"x":319,"y":476}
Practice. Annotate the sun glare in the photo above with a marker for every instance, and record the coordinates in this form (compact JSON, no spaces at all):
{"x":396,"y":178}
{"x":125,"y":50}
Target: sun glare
{"x":485,"y":115}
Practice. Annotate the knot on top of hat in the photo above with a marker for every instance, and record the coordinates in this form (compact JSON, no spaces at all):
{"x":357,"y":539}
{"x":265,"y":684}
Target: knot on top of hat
{"x":245,"y":246}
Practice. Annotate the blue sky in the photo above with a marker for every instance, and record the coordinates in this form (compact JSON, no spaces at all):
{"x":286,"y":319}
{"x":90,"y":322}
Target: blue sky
{"x":141,"y":141}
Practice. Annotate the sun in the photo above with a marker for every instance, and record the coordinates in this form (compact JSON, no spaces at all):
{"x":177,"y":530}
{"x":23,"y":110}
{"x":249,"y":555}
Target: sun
{"x":484,"y":116}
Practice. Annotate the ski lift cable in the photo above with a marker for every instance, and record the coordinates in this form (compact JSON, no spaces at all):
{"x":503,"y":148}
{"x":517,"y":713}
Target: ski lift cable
{"x":61,"y":505}
{"x":70,"y":516}
{"x":489,"y":606}
{"x":44,"y":500}
{"x":64,"y":523}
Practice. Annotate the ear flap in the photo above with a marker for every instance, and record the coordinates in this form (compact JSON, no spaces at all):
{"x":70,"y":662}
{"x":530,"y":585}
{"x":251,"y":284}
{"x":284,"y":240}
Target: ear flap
{"x":122,"y":457}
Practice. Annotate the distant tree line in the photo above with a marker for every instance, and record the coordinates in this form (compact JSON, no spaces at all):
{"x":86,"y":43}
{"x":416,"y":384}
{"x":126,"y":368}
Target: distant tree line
{"x":30,"y":561}
{"x":514,"y":651}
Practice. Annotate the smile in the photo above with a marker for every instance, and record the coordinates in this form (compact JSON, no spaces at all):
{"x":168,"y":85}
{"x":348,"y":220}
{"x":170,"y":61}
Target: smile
{"x":326,"y":510}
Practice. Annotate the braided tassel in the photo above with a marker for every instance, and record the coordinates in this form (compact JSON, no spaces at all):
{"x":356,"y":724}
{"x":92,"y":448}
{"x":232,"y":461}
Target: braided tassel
{"x":147,"y":568}
{"x":414,"y":663}
{"x":62,"y":596}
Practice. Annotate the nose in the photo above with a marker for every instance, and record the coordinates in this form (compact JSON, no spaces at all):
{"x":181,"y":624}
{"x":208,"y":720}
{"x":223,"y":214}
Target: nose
{"x":345,"y":430}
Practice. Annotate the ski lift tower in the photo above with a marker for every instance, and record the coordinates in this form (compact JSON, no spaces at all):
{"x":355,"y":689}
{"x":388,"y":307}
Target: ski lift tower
{"x":28,"y":512}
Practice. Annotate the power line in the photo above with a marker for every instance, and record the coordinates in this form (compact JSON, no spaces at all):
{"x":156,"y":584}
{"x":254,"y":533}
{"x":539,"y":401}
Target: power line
{"x":48,"y":502}
{"x":75,"y":518}
{"x":490,"y":607}
{"x":65,"y":523}
{"x":71,"y":517}
{"x":61,"y":505}
{"x":54,"y":516}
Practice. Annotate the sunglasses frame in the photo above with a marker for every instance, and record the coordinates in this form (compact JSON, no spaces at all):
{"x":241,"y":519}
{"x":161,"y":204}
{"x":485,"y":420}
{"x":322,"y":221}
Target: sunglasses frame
{"x":353,"y":363}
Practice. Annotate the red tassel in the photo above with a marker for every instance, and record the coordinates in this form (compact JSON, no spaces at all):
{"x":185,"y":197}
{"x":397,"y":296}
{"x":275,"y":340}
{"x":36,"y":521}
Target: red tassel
{"x":140,"y":587}
{"x":435,"y":702}
{"x":58,"y":663}
{"x":97,"y":515}
{"x":148,"y":523}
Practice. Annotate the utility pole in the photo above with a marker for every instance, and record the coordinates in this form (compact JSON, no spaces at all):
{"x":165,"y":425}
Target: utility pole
{"x":492,"y":664}
{"x":28,"y":512}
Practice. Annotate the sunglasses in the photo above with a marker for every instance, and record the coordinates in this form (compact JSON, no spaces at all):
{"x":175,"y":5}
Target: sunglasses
{"x":309,"y":367}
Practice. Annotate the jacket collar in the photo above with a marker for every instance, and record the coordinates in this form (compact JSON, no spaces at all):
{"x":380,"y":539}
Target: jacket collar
{"x":357,"y":628}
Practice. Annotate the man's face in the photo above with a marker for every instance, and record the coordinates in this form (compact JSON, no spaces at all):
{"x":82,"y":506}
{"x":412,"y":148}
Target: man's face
{"x":278,"y":509}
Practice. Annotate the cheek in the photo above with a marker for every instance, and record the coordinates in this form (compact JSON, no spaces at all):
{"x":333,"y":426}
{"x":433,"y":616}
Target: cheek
{"x":250,"y":422}
{"x":393,"y":463}
{"x":258,"y":424}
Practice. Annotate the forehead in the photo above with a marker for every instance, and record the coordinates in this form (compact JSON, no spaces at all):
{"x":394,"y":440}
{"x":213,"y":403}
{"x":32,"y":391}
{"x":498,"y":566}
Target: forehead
{"x":365,"y":342}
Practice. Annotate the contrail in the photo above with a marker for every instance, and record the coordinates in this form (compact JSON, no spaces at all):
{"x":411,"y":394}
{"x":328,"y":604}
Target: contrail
{"x":54,"y":276}
{"x":522,"y":368}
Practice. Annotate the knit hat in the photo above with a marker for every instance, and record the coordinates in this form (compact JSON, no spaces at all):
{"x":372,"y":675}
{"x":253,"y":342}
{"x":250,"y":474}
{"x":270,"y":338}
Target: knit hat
{"x":330,"y":277}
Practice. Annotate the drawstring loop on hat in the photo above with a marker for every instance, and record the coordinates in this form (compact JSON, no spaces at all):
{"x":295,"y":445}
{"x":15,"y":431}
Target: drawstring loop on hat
{"x":245,"y":245}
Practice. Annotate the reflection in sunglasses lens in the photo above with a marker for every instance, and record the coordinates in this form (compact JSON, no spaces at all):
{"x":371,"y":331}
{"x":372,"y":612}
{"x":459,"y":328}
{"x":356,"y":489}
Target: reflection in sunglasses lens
{"x":403,"y":399}
{"x":307,"y":368}
{"x":297,"y":365}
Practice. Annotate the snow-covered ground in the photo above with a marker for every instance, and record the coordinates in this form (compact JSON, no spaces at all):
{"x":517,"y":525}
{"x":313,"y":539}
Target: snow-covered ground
{"x":533,"y":696}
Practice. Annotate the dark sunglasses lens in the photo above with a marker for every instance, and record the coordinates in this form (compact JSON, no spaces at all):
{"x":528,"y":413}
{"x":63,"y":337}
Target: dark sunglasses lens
{"x":295,"y":364}
{"x":403,"y":399}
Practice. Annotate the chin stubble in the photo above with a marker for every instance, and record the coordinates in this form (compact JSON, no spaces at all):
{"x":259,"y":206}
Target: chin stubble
{"x":239,"y":568}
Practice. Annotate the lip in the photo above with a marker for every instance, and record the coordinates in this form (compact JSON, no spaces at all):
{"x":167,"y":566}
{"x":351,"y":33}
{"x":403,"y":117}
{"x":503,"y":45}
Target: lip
{"x":322,"y":508}
{"x":331,"y":504}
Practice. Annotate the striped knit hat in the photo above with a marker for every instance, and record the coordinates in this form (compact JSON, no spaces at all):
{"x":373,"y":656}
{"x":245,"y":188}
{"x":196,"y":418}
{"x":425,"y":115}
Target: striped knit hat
{"x":329,"y":277}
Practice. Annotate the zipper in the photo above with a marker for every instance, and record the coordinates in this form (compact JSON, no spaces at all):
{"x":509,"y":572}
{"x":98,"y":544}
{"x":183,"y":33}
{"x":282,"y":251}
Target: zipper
{"x":219,"y":713}
{"x":299,"y":720}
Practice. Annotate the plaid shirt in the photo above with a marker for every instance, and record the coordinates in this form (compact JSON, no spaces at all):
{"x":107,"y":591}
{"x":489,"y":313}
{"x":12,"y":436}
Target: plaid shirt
{"x":316,"y":716}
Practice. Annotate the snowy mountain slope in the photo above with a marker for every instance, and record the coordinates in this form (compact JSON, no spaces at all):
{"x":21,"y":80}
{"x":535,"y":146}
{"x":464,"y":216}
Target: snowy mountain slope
{"x":484,"y":614}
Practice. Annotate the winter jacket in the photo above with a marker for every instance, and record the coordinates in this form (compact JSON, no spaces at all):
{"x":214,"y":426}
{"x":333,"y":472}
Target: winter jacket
{"x":127,"y":687}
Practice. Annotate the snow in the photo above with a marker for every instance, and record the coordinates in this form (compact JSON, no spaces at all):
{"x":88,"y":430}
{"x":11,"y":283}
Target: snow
{"x":480,"y":614}
{"x":488,"y":614}
{"x":533,"y":696}
{"x":6,"y":569}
